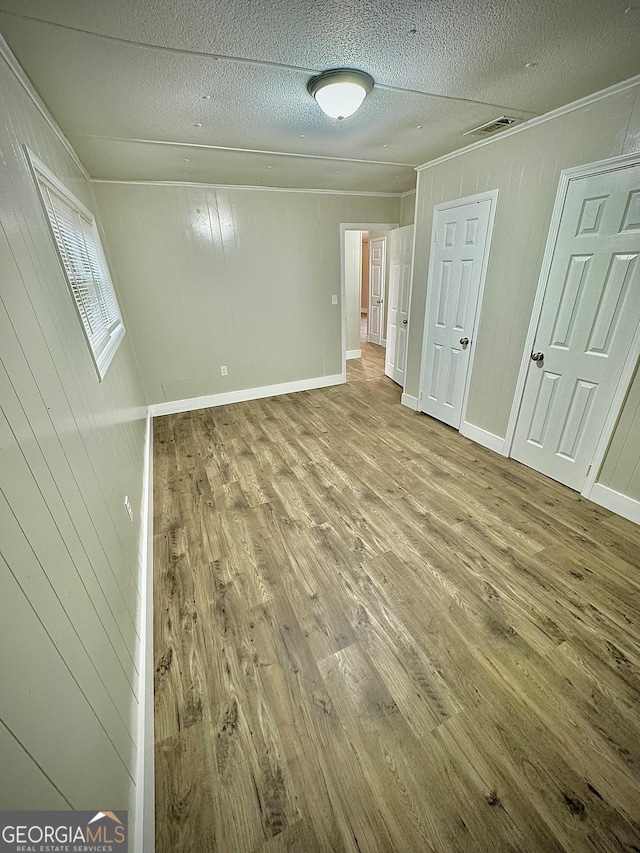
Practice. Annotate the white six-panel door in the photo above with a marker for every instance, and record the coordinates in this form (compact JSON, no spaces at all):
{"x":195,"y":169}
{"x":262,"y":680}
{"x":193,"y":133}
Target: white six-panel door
{"x":399,"y":293}
{"x":590,"y":312}
{"x":458,"y":260}
{"x":376,"y":289}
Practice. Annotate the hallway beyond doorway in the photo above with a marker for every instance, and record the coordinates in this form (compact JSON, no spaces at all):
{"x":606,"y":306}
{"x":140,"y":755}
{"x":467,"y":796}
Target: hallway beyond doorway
{"x":370,"y":365}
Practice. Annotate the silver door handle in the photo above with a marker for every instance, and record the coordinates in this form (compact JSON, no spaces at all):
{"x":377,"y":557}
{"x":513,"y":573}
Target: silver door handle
{"x":464,"y":342}
{"x":537,"y":356}
{"x":404,"y":322}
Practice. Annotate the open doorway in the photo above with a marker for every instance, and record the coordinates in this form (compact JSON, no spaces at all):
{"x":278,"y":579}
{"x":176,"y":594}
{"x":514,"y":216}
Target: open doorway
{"x":363,"y":293}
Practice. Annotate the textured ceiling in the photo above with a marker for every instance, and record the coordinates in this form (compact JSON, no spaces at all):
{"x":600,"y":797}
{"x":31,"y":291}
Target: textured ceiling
{"x":195,"y":90}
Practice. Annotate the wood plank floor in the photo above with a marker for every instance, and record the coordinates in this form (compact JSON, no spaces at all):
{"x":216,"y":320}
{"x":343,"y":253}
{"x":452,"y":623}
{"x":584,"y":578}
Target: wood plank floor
{"x":373,"y":635}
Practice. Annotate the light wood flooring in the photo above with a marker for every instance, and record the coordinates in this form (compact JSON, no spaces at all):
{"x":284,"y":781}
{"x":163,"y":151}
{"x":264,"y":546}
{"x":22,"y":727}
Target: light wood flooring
{"x":372,"y":634}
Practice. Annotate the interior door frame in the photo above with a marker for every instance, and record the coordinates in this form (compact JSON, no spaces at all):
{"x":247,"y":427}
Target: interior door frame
{"x":587,"y":170}
{"x":492,"y":196}
{"x":353,"y":226}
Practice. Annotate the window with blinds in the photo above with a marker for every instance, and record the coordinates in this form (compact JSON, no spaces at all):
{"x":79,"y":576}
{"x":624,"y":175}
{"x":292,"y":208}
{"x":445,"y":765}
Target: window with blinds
{"x":78,"y":242}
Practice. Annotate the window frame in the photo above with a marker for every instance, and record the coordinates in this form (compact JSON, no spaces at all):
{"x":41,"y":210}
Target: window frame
{"x":104,"y":348}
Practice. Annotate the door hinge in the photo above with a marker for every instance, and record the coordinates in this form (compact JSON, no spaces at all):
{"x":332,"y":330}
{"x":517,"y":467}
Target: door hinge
{"x":588,"y":470}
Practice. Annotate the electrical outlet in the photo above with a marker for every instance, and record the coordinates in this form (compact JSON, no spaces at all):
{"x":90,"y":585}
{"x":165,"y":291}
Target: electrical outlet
{"x":223,"y":370}
{"x":334,"y":299}
{"x":127,"y":506}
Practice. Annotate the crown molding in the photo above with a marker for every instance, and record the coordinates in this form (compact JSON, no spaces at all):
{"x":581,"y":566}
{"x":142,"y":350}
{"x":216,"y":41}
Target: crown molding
{"x":18,"y":72}
{"x":616,"y":89}
{"x":246,"y":187}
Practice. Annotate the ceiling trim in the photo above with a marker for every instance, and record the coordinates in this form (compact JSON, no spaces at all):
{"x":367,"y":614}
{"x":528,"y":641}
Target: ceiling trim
{"x":534,"y":122}
{"x":242,"y":150}
{"x":27,"y":85}
{"x":248,"y":187}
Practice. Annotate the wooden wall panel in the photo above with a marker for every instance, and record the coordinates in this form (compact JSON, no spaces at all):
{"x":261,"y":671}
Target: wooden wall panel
{"x":621,"y":468}
{"x":407,"y":208}
{"x":239,"y":277}
{"x":70,"y":449}
{"x":26,"y":775}
{"x":525,"y":167}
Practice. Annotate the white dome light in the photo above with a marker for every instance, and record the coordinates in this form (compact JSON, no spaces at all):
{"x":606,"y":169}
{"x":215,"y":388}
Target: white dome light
{"x":340,"y":100}
{"x":340,"y":91}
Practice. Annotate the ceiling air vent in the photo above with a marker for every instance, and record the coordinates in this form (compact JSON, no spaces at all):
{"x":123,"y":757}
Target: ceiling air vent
{"x":492,"y":126}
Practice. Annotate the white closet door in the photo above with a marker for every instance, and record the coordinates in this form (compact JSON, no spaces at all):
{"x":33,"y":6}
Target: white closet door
{"x":590,"y":312}
{"x":401,"y":240}
{"x":376,"y":289}
{"x":460,"y":245}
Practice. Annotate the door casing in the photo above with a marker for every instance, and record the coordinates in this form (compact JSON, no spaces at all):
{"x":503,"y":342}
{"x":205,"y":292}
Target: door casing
{"x":567,"y":175}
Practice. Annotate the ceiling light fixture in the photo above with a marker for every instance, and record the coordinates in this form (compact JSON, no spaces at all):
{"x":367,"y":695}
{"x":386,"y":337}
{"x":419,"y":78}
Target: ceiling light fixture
{"x":340,"y":91}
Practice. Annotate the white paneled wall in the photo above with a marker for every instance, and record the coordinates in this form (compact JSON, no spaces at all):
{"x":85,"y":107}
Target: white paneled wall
{"x":71,"y":448}
{"x":621,"y":468}
{"x":525,"y":167}
{"x":226,"y":276}
{"x":407,"y":208}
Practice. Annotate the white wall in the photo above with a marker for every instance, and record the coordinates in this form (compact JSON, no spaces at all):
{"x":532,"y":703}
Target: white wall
{"x":239,"y":277}
{"x":364,"y":277}
{"x":525,"y":167}
{"x":621,"y":468}
{"x":71,"y":448}
{"x":352,"y":286}
{"x":407,"y":208}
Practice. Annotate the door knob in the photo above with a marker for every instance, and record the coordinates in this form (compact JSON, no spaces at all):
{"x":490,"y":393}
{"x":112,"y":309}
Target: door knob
{"x":379,"y":301}
{"x":404,"y":322}
{"x":464,"y":341}
{"x":537,"y":356}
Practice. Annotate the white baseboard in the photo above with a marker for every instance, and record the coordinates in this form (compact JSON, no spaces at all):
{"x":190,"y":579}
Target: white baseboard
{"x":409,"y":401}
{"x":354,"y":353}
{"x":174,"y":406}
{"x":144,"y":840}
{"x":615,"y":501}
{"x":483,"y":437}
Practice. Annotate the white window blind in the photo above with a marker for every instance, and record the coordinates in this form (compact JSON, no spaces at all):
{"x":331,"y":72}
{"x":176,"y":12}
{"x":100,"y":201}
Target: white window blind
{"x":78,"y":243}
